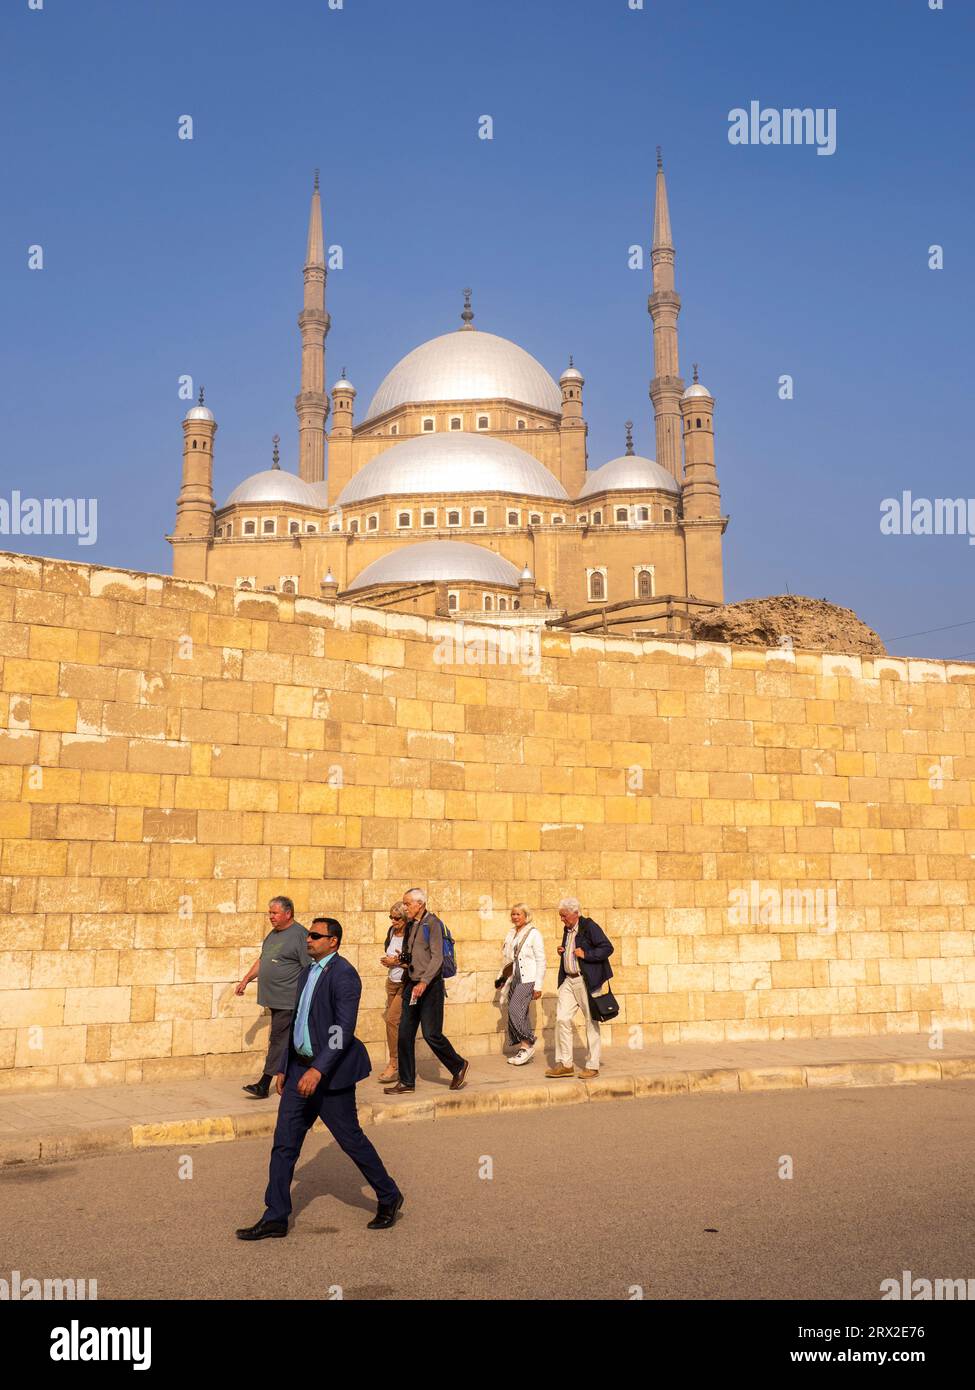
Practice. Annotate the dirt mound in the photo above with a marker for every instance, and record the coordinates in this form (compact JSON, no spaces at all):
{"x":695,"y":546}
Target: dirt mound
{"x":812,"y":624}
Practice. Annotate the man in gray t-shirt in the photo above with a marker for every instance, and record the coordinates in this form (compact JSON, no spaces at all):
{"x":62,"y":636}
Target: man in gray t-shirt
{"x":284,"y":955}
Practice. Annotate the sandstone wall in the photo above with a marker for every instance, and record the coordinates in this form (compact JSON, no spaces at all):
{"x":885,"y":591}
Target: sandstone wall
{"x":174,"y":753}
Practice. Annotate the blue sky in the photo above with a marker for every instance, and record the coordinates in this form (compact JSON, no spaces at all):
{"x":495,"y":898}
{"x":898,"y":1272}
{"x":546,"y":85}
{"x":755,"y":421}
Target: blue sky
{"x":164,"y":257}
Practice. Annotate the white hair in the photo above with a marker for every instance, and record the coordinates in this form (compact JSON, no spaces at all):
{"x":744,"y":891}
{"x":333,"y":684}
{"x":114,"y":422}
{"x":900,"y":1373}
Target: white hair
{"x":571,"y":904}
{"x":522,"y":907}
{"x":417,"y":895}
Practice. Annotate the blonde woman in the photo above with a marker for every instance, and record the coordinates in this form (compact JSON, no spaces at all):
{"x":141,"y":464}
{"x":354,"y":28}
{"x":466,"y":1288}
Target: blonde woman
{"x":522,"y":977}
{"x":394,"y":987}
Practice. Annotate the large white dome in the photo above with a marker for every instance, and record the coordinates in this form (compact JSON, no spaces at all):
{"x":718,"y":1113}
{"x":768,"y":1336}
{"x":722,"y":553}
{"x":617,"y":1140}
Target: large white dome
{"x":467,"y":365}
{"x":628,"y":473}
{"x":453,"y":462}
{"x":438,"y":561}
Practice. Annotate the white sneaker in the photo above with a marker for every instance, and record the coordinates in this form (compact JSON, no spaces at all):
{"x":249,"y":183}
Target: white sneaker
{"x":524,"y":1056}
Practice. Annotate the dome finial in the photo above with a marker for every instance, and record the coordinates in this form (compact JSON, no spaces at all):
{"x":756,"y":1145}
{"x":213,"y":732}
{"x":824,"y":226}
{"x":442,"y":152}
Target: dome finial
{"x":695,"y":373}
{"x":316,"y":181}
{"x":468,"y":312}
{"x":660,"y":158}
{"x":571,"y":363}
{"x":629,"y":436}
{"x":275,"y":456}
{"x":345,"y":375}
{"x":201,"y":401}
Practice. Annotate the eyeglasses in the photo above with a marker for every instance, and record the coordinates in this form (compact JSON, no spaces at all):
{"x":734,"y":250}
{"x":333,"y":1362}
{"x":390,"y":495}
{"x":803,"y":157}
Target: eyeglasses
{"x":320,"y":936}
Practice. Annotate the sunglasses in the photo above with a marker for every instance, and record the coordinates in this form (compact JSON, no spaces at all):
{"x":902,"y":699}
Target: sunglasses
{"x":321,"y":936}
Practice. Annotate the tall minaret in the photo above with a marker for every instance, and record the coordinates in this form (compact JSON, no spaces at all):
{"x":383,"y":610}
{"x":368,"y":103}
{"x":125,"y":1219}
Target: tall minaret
{"x":312,"y":403}
{"x":193,"y":531}
{"x":664,"y":306}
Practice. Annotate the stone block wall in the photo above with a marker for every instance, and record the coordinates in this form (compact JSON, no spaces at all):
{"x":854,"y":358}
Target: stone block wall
{"x":779,"y":844}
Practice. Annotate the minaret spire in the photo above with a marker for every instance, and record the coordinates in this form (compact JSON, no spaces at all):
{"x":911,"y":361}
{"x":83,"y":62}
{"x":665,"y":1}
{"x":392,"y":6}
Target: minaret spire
{"x":467,"y":314}
{"x":311,"y":403}
{"x":664,"y":307}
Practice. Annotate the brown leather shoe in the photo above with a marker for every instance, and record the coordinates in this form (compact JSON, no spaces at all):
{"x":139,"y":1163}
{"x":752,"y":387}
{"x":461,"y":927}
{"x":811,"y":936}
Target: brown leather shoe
{"x":460,"y":1079}
{"x":399,"y":1090}
{"x":586,"y":1072}
{"x":561,"y":1071}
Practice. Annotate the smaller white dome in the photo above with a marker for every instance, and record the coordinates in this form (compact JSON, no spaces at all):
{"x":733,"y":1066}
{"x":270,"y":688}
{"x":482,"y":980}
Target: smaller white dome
{"x":199,"y":412}
{"x":572,"y":374}
{"x":276,"y":485}
{"x":695,"y":389}
{"x":438,"y":561}
{"x":628,"y":473}
{"x":344,"y":384}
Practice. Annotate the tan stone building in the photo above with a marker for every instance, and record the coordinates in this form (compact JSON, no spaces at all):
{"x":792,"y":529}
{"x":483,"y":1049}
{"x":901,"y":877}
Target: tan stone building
{"x":466,"y":487}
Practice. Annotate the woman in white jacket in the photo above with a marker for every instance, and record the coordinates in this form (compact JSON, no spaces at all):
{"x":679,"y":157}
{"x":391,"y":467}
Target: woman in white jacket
{"x":522,"y":975}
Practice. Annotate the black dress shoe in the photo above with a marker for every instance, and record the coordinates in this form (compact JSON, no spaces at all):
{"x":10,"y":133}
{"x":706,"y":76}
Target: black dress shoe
{"x":258,"y":1089}
{"x":385,"y":1215}
{"x":263,"y":1230}
{"x":399,"y":1090}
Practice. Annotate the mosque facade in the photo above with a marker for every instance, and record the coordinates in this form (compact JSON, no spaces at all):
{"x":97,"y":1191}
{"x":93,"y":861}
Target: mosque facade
{"x":466,"y":489}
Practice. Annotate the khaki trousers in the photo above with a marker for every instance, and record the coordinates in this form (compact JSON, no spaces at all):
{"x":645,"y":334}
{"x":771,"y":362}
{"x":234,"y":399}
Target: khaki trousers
{"x":391,"y":1013}
{"x":571,"y":997}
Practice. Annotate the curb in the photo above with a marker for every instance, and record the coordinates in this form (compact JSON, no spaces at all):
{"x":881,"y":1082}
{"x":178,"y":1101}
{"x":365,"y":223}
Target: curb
{"x":221,"y":1129}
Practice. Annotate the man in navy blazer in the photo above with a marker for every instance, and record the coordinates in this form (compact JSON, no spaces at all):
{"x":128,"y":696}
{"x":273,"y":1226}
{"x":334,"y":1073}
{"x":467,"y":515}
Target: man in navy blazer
{"x":325,"y":1061}
{"x":583,"y":970}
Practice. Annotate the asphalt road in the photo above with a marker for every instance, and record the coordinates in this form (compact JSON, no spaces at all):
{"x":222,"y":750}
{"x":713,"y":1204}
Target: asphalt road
{"x":680,"y":1198}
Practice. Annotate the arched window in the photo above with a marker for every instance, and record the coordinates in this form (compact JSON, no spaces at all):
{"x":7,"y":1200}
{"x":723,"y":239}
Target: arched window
{"x":522,"y":424}
{"x":668,"y":514}
{"x":244,"y":584}
{"x":597,"y":586}
{"x":699,"y":424}
{"x":558,"y":520}
{"x":452,"y":601}
{"x":535,"y":519}
{"x":644,"y":584}
{"x":194,"y":443}
{"x":597,"y":518}
{"x":404,"y":519}
{"x":429,"y":518}
{"x":455,"y":422}
{"x":428,"y":423}
{"x":453,"y":518}
{"x":488,"y":603}
{"x":483,"y":422}
{"x":644,"y":514}
{"x":354,"y":526}
{"x":622,"y":514}
{"x":294,"y":527}
{"x":478,"y":518}
{"x":394,"y":429}
{"x":288,"y":586}
{"x":269,"y":525}
{"x":372,"y":523}
{"x":502,"y":605}
{"x":517,"y":603}
{"x":250,"y":528}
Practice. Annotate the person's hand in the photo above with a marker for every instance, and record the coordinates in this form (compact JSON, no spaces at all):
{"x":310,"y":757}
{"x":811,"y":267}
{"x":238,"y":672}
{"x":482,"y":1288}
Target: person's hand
{"x":536,"y":994}
{"x":560,"y":949}
{"x":580,"y":953}
{"x":419,"y":989}
{"x":241,"y":987}
{"x":308,"y":1082}
{"x":279,"y":1083}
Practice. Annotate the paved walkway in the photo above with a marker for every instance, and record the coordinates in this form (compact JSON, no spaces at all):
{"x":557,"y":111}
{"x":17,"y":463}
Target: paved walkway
{"x":45,"y":1126}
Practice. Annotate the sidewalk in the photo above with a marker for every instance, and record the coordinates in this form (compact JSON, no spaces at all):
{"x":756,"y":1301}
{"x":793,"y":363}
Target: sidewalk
{"x":47,"y":1126}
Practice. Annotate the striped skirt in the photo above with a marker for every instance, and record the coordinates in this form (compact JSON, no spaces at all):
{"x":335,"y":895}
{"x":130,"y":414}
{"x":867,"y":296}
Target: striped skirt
{"x":519,"y":1024}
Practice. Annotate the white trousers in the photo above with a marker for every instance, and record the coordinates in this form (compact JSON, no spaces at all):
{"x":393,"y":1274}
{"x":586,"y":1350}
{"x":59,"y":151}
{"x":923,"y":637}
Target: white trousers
{"x":572,"y":996}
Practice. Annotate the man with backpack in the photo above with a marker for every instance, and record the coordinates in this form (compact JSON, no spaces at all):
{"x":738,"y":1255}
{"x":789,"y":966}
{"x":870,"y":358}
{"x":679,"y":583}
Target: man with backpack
{"x":427,"y":956}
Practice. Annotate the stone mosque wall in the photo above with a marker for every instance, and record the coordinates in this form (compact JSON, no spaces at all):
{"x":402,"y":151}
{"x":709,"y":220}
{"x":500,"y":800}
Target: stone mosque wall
{"x":779,"y":844}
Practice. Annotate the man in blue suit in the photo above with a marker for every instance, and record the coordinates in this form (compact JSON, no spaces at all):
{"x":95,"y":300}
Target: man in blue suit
{"x":325,"y":1062}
